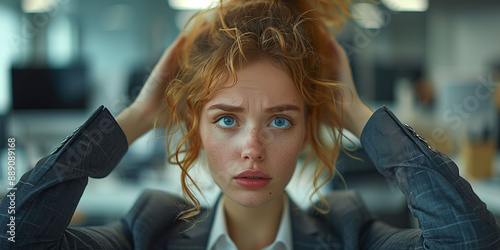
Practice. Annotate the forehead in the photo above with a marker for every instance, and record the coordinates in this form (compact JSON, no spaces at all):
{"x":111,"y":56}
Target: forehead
{"x":260,"y":82}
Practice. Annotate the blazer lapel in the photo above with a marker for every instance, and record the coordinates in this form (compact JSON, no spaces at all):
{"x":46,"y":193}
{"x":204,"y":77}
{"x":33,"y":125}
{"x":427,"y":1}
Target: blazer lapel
{"x":309,"y":232}
{"x":196,"y":237}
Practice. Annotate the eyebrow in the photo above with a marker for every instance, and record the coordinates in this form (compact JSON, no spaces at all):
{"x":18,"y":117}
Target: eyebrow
{"x":227,"y":108}
{"x":238,"y":109}
{"x":282,"y":108}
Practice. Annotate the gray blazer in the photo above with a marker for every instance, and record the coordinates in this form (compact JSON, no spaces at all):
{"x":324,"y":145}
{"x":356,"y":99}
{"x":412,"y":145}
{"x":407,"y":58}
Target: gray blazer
{"x":450,"y":214}
{"x":310,"y":230}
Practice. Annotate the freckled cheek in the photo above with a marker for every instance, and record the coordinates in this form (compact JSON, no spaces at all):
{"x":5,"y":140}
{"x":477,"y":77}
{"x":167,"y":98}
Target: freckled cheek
{"x":217,"y":145}
{"x":218,"y":153}
{"x":285,"y":154}
{"x":288,"y":148}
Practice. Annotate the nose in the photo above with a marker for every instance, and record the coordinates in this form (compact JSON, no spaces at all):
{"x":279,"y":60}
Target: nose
{"x":254,"y":145}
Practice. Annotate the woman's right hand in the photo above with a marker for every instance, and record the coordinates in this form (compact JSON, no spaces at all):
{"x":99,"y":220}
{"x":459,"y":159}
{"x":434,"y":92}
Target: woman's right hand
{"x":141,"y":115}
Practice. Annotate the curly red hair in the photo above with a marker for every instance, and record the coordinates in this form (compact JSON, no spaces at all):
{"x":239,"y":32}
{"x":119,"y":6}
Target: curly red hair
{"x":225,"y":38}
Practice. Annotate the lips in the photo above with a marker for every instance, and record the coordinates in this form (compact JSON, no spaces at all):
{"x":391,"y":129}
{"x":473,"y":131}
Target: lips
{"x":252,"y":179}
{"x":255,"y":174}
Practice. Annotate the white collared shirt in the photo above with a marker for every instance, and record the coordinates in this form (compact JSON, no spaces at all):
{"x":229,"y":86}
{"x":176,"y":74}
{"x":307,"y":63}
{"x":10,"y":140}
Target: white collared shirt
{"x":219,"y":235}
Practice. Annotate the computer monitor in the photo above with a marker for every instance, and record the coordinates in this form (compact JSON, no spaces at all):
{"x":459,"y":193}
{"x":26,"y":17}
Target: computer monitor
{"x":46,"y":88}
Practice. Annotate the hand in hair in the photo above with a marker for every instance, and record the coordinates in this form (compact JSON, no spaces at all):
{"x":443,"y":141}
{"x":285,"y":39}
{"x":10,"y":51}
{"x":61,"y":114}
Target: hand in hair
{"x":355,"y":112}
{"x":145,"y":111}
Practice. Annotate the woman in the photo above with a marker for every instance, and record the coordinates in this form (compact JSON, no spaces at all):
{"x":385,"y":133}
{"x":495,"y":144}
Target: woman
{"x":249,"y":86}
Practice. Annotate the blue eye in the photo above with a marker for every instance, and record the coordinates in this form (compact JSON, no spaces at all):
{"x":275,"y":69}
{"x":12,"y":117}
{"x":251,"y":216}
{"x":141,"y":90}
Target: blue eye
{"x":227,"y":122}
{"x":280,"y":122}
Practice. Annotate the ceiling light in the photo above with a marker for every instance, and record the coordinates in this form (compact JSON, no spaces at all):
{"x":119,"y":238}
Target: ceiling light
{"x":407,"y":5}
{"x":192,"y":4}
{"x":368,"y":16}
{"x":38,"y":6}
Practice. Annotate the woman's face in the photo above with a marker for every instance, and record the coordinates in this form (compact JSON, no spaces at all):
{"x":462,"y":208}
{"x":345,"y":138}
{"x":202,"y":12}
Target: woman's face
{"x":253,"y":132}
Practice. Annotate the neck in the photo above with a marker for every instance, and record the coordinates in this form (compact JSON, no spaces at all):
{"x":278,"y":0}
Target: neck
{"x":253,"y":227}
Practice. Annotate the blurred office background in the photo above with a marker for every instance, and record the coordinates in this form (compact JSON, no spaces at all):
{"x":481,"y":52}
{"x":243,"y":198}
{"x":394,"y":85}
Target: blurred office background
{"x":436,"y":64}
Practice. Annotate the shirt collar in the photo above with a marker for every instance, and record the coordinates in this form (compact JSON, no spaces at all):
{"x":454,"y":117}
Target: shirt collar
{"x":284,"y":235}
{"x":219,"y":235}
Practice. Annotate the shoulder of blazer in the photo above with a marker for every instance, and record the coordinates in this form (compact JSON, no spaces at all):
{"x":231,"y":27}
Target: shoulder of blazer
{"x":153,"y":219}
{"x":348,"y":217}
{"x":152,"y":214}
{"x":154,"y":206}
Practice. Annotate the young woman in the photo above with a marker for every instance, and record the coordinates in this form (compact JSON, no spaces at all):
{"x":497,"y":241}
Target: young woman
{"x":249,"y":86}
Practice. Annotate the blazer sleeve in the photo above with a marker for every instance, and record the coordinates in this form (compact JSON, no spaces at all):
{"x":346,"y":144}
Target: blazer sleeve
{"x":46,"y":197}
{"x":449,"y":213}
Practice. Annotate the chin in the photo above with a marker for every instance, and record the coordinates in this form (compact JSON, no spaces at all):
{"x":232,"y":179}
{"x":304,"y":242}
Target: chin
{"x":253,"y":198}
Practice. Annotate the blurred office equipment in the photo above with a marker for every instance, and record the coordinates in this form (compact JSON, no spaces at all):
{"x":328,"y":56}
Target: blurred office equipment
{"x":136,"y":79}
{"x":387,"y":76}
{"x":48,"y":88}
{"x":466,"y":108}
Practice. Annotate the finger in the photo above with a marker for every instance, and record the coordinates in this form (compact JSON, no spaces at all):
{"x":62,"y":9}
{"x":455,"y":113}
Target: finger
{"x":167,"y":67}
{"x":333,"y":66}
{"x":176,"y":47}
{"x":172,"y":54}
{"x":339,"y":50}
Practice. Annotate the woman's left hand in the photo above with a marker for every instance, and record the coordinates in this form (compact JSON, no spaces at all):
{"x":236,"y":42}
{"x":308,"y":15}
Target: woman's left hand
{"x":355,"y":112}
